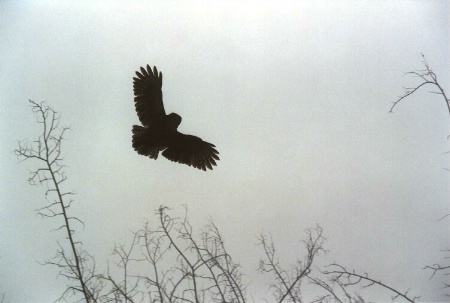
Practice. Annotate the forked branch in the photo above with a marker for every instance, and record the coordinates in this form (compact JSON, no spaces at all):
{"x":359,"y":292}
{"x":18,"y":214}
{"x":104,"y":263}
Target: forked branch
{"x":345,"y":278}
{"x":427,"y":77}
{"x":287,"y":284}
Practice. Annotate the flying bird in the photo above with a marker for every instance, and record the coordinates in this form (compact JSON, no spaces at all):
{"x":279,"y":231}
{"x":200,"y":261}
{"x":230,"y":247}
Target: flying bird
{"x":159,"y":131}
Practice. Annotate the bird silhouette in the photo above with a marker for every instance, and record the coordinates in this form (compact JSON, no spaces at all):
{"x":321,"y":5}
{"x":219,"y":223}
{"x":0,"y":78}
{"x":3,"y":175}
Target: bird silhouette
{"x":159,"y":131}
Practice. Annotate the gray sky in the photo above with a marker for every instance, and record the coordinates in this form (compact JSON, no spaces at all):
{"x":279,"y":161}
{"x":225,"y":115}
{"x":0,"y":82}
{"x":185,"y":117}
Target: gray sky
{"x":295,"y":95}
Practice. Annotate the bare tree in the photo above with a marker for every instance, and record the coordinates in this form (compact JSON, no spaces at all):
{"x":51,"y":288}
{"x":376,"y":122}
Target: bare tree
{"x":175,"y":267}
{"x":46,"y":150}
{"x":427,"y":77}
{"x":335,"y":283}
{"x":169,"y":263}
{"x":178,"y":268}
{"x":287,"y":283}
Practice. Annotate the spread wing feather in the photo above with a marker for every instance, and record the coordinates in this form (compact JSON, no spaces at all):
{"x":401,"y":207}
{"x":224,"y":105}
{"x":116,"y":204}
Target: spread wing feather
{"x":148,"y":95}
{"x":192,"y":151}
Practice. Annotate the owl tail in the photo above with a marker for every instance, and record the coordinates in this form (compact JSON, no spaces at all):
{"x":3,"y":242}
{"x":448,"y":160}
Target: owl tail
{"x":144,"y":142}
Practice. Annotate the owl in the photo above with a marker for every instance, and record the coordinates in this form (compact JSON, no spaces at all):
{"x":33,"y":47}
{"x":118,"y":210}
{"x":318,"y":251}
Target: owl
{"x":159,"y":131}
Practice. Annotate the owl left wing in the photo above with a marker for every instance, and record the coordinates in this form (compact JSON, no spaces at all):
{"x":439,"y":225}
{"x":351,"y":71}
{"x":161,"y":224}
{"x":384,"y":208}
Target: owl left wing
{"x":148,"y":98}
{"x":192,"y":151}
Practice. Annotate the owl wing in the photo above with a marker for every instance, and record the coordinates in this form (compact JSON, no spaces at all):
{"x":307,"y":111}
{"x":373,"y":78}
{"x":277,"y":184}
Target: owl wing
{"x":148,"y":95}
{"x":192,"y":151}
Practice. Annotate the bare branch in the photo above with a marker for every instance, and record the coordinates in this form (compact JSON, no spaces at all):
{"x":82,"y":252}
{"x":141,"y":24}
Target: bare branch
{"x":340,"y":274}
{"x":288,"y":284}
{"x":428,"y":77}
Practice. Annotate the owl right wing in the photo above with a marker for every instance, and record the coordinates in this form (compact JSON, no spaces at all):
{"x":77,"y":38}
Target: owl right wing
{"x":192,"y":151}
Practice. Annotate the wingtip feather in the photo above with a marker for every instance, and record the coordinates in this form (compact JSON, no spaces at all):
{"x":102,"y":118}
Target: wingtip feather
{"x":143,"y":71}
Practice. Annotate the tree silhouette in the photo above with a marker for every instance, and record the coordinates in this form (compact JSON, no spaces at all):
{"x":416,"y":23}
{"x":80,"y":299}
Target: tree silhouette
{"x":427,"y":77}
{"x":46,"y":150}
{"x":169,"y":262}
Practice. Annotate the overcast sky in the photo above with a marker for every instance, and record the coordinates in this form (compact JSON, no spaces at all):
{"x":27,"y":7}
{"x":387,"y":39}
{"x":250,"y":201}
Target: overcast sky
{"x":295,"y":95}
